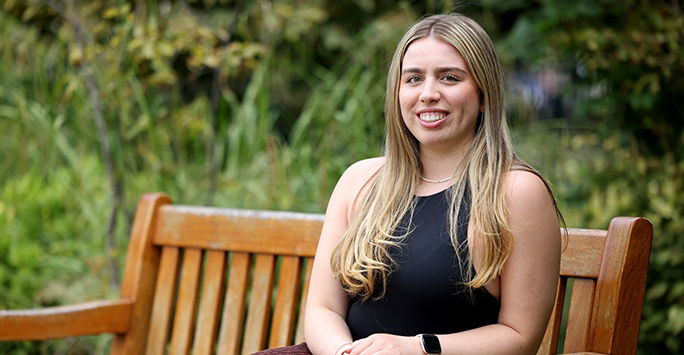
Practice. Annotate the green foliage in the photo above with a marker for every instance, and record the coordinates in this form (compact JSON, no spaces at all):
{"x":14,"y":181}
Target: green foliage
{"x":625,"y":146}
{"x":263,"y":104}
{"x":633,"y":51}
{"x":155,"y":79}
{"x":599,"y":175}
{"x":49,"y":246}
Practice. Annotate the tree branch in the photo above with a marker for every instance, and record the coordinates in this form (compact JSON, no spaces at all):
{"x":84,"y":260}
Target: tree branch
{"x":69,"y":14}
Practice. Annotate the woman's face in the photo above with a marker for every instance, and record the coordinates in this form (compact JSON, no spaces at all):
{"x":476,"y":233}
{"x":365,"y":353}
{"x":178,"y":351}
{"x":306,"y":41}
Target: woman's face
{"x":438,"y":97}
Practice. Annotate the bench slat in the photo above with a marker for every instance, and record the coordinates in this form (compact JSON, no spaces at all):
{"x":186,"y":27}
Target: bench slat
{"x":299,"y":335}
{"x":259,"y":304}
{"x":285,"y":312}
{"x":184,"y":321}
{"x":210,"y":305}
{"x":165,"y":296}
{"x":550,"y":342}
{"x":260,"y":232}
{"x":579,"y":315}
{"x":230,"y":333}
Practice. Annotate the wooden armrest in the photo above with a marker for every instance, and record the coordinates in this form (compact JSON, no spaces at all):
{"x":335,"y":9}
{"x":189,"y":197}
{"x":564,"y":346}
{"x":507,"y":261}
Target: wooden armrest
{"x":584,"y":353}
{"x":112,"y":316}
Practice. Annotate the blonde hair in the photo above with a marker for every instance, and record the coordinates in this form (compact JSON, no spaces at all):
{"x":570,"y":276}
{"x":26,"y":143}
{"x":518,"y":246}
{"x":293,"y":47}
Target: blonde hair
{"x":361,"y":260}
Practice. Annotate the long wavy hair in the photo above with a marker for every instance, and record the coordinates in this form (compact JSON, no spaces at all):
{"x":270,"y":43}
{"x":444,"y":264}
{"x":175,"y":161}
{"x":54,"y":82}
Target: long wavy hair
{"x":361,"y":260}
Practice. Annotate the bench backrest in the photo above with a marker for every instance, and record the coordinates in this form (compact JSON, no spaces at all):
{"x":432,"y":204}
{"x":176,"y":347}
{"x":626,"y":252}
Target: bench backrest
{"x":208,"y":280}
{"x":604,"y":272}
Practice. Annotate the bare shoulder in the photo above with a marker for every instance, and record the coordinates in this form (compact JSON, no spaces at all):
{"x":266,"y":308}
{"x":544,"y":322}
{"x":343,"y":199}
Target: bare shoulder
{"x":365,"y":168}
{"x":354,"y":183}
{"x":522,"y":182}
{"x":525,"y":186}
{"x":357,"y":176}
{"x":530,"y":202}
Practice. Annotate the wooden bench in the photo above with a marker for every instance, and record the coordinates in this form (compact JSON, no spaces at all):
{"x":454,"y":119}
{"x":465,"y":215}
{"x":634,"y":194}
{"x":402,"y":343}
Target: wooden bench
{"x":210,"y":280}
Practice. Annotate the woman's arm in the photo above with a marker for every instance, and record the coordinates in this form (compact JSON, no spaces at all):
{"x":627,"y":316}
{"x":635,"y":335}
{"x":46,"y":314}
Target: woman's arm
{"x":325,"y":326}
{"x":527,"y":284}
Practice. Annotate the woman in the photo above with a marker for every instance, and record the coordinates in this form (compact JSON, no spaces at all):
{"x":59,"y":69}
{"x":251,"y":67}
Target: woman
{"x":449,"y":233}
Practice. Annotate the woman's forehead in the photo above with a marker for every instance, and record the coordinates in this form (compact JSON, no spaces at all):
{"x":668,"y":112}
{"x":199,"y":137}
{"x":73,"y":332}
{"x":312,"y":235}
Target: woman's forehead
{"x":433,"y":52}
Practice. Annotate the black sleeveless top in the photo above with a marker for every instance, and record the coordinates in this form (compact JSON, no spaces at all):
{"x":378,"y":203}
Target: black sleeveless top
{"x":425,"y":292}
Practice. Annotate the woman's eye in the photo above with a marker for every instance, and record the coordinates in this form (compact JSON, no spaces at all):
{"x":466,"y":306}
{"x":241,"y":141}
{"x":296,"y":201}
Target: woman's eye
{"x":413,"y":79}
{"x":450,"y":78}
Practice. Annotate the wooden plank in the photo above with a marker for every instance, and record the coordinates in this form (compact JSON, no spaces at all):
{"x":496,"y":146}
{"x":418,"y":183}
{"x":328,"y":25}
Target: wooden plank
{"x":299,"y":334}
{"x":579,"y":315}
{"x":549,"y":344}
{"x":285,"y":311}
{"x":66,"y":321}
{"x":230,"y":333}
{"x":184,"y":322}
{"x":210,"y":305}
{"x":165,"y":297}
{"x":259,"y":305}
{"x":140,"y":275}
{"x":621,"y":286}
{"x":262,"y":232}
{"x":583,"y":253}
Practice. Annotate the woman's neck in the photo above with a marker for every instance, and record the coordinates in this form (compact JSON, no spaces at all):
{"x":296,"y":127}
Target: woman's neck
{"x":439,"y":165}
{"x":439,"y":171}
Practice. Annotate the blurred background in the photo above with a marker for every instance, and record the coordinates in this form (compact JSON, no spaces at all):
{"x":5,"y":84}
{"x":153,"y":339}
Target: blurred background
{"x":263,"y":104}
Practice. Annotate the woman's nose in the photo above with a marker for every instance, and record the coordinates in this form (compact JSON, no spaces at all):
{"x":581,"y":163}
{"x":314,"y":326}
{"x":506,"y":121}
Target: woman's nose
{"x":430,"y":92}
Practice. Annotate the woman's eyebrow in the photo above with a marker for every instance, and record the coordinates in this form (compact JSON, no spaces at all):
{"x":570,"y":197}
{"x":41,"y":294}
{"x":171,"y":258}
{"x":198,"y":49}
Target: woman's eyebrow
{"x":412,"y":70}
{"x":450,"y":69}
{"x":439,"y":70}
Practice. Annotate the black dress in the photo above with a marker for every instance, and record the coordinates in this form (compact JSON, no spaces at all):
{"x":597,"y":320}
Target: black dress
{"x":425,"y":292}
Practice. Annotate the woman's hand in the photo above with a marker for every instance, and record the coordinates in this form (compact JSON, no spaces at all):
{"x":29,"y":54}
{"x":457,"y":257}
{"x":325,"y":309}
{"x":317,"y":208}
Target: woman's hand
{"x":385,"y":344}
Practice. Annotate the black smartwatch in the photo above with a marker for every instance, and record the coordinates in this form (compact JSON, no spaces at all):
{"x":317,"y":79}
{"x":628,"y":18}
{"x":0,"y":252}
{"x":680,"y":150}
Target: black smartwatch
{"x":430,"y":344}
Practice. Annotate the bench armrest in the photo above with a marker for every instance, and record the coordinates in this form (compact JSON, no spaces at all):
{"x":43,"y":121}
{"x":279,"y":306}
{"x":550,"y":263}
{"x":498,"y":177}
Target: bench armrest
{"x":112,"y":316}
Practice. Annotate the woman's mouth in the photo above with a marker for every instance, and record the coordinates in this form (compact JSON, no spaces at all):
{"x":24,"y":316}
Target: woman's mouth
{"x":431,"y":116}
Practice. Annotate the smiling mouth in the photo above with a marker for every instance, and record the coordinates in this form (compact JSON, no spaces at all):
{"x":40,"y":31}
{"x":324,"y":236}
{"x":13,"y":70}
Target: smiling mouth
{"x":431,"y":116}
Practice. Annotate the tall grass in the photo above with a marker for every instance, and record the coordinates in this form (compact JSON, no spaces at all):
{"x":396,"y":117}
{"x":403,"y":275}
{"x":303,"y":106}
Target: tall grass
{"x":54,"y":197}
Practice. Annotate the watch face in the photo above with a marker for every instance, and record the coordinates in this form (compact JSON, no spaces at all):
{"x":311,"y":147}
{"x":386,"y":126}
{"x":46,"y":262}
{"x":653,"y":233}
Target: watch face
{"x":431,"y":344}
